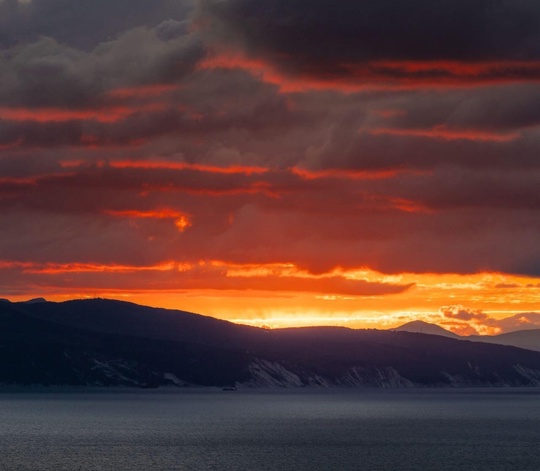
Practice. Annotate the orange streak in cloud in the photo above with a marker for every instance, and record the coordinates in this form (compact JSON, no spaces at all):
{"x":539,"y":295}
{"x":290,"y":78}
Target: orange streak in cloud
{"x":465,"y":69}
{"x":408,"y":206}
{"x":347,"y":173}
{"x":182,"y":222}
{"x":162,"y":164}
{"x":268,"y":74}
{"x":303,"y":173}
{"x":56,"y":115}
{"x":142,"y":91}
{"x":56,"y":268}
{"x":11,"y":145}
{"x":20,"y":180}
{"x":446,"y":134}
{"x":385,"y":75}
{"x":6,"y":264}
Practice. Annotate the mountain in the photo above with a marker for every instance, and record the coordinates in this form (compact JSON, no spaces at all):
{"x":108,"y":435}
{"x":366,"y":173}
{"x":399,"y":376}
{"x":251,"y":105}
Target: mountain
{"x":529,"y":339}
{"x":421,"y":327}
{"x":35,"y":301}
{"x":104,"y":342}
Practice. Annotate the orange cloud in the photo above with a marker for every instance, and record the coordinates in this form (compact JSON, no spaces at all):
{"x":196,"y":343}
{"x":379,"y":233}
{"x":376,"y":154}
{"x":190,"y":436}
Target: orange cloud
{"x":284,"y":278}
{"x":461,"y":313}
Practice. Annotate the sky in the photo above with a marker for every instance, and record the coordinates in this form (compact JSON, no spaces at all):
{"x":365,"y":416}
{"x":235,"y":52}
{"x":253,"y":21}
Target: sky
{"x":275,"y":162}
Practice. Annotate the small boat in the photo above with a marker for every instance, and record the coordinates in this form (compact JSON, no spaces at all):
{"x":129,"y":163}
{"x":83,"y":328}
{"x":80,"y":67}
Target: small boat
{"x":229,"y":388}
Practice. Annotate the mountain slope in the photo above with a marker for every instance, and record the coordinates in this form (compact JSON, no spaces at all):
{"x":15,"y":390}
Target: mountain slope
{"x":529,"y":339}
{"x":103,"y":342}
{"x":120,"y":317}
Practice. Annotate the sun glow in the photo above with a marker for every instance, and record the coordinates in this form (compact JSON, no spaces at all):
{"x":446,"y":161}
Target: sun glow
{"x":252,"y":294}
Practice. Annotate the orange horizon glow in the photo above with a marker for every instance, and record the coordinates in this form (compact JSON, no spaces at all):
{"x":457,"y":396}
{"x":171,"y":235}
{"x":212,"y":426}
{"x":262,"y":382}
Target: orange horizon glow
{"x":488,"y":296}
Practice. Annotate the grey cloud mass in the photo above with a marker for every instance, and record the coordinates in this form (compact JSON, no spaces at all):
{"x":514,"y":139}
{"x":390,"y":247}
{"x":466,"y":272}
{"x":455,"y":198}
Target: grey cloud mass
{"x":402,"y":136}
{"x":322,"y":36}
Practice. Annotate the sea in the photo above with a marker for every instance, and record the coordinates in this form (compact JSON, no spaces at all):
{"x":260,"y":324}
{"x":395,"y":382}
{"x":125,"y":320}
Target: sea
{"x":188,"y":429}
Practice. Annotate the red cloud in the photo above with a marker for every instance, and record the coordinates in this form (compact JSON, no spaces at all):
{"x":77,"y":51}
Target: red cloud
{"x":56,"y":115}
{"x":445,"y":133}
{"x":382,"y":75}
{"x":198,"y":276}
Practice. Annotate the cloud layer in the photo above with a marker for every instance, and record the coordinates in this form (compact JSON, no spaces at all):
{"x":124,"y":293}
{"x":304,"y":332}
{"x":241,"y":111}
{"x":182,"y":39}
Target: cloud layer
{"x":397,"y":137}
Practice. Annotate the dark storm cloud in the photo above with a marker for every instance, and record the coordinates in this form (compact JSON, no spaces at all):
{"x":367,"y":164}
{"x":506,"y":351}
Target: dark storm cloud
{"x":455,"y":187}
{"x":46,"y":73}
{"x":495,"y":108}
{"x":82,"y":24}
{"x":323,"y":36}
{"x":109,"y":131}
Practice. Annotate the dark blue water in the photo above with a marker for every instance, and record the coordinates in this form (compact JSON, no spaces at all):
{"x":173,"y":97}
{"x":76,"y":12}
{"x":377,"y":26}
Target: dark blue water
{"x":257,"y":430}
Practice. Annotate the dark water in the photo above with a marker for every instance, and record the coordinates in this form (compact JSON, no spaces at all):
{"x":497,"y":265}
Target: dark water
{"x":256,"y":430}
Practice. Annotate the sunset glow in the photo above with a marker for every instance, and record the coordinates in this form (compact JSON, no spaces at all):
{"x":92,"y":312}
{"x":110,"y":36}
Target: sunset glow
{"x":248,"y":164}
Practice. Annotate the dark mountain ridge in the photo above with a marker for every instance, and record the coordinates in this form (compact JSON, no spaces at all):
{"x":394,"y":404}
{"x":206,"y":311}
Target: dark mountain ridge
{"x":528,"y":339}
{"x":105,"y":342}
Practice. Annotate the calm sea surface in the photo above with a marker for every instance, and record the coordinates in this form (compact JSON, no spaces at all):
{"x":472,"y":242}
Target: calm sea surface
{"x":262,"y":430}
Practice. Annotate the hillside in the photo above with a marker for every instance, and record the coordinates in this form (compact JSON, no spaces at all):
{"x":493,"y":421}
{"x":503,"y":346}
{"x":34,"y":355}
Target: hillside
{"x":104,"y":342}
{"x":529,"y":339}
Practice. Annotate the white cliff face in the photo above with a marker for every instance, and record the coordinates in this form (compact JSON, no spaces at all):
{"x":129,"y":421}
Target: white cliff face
{"x":532,"y":375}
{"x":271,"y":374}
{"x":174,"y":379}
{"x":376,"y":377}
{"x":118,"y":371}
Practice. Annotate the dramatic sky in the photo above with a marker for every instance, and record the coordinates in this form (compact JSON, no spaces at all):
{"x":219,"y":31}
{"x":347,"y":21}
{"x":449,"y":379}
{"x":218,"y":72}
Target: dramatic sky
{"x":275,"y":162}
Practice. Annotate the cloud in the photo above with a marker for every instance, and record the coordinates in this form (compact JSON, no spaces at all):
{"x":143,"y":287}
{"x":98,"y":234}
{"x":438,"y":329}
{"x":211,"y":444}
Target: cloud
{"x":173,"y":275}
{"x":288,"y":33}
{"x":379,"y":135}
{"x":46,"y":73}
{"x":258,"y":215}
{"x":521,"y":321}
{"x":466,"y":321}
{"x":83,"y":24}
{"x":461,"y":313}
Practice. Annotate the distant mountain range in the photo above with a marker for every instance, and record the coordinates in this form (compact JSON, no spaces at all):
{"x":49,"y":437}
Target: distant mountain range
{"x":101,"y":342}
{"x":529,"y":339}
